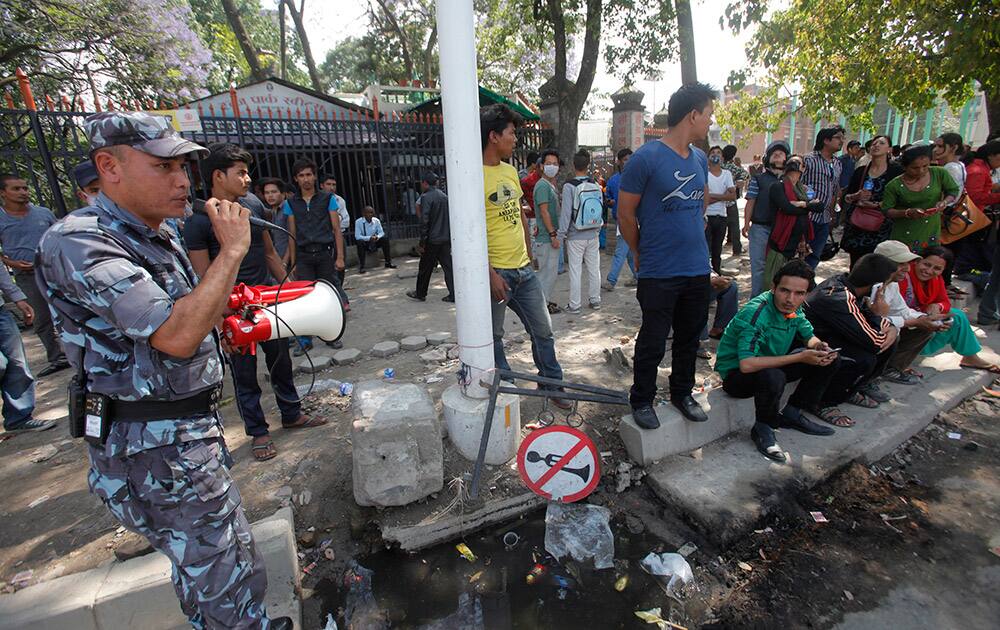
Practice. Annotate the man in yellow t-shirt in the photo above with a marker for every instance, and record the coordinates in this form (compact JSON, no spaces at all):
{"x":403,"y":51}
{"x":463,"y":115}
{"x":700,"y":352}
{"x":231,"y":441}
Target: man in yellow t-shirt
{"x":512,"y":279}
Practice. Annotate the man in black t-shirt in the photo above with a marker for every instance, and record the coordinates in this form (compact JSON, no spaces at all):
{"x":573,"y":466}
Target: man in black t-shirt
{"x":435,"y":239}
{"x":226,"y":170}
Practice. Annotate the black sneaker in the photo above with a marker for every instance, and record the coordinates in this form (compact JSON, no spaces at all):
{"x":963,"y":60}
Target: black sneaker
{"x":52,"y":368}
{"x":413,"y":296}
{"x":33,"y":425}
{"x":645,"y":417}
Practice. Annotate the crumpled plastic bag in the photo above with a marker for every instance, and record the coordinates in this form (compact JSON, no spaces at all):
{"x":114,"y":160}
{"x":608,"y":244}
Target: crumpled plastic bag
{"x":580,"y":531}
{"x":361,"y":612}
{"x":668,"y":565}
{"x":469,"y":616}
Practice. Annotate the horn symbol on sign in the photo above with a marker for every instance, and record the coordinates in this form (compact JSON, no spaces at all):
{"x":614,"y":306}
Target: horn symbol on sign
{"x":552,"y":459}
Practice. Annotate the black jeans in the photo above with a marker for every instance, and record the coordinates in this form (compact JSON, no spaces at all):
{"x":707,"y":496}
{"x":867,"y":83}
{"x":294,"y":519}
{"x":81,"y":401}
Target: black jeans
{"x":366,"y":246}
{"x":319,"y":265}
{"x":733,"y":223}
{"x":279,"y":365}
{"x":435,"y":253}
{"x":858,"y":367}
{"x":679,"y":303}
{"x":715,"y":234}
{"x":766,"y":387}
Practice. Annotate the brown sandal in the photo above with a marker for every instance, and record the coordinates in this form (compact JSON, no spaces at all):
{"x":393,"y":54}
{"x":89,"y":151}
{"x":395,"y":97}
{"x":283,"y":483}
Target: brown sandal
{"x":304,"y":422}
{"x":264,"y":451}
{"x":834,"y":416}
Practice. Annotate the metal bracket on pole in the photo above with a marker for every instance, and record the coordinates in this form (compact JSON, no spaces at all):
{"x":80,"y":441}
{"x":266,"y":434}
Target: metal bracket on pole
{"x":556,"y":389}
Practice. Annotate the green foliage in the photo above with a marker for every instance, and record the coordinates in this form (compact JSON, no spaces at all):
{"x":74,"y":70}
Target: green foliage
{"x":641,"y":37}
{"x":842,"y":53}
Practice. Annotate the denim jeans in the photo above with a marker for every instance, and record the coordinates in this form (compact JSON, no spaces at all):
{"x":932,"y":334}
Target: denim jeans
{"x":727,"y":303}
{"x":758,"y":257}
{"x":562,"y":256}
{"x":622,"y":254}
{"x":821,"y":233}
{"x":602,"y":237}
{"x":15,"y":376}
{"x":989,"y":305}
{"x":680,"y":303}
{"x":525,"y":298}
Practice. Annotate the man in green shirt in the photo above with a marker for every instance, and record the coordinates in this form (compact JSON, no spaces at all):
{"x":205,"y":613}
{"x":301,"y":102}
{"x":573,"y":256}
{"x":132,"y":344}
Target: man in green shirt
{"x":756,"y":358}
{"x":547,"y":244}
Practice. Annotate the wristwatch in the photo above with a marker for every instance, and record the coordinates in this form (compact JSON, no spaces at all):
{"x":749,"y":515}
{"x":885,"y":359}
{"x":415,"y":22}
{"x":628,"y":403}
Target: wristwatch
{"x":552,"y":234}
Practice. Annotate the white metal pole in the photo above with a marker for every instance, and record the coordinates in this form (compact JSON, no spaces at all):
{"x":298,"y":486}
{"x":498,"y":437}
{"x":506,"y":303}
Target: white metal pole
{"x":467,"y":210}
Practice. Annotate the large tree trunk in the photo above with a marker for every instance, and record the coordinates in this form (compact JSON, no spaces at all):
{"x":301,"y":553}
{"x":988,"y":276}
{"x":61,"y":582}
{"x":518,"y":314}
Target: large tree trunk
{"x":304,"y":40}
{"x":250,"y":52}
{"x":429,"y":54}
{"x":573,"y":96}
{"x":685,"y":41}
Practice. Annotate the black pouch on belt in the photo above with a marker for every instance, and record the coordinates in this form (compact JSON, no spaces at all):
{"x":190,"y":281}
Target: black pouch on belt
{"x":97,"y":423}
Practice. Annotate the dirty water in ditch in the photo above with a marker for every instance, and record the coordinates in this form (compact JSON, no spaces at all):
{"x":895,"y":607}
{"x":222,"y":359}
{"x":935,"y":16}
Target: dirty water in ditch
{"x":436,"y":589}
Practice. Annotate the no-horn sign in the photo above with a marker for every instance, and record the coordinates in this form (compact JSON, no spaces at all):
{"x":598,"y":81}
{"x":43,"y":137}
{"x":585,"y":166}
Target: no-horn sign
{"x":559,"y":463}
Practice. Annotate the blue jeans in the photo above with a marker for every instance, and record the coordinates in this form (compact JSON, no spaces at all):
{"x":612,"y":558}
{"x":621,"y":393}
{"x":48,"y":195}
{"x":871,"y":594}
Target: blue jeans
{"x":15,"y":376}
{"x":602,"y":238}
{"x":622,"y":253}
{"x":822,"y":232}
{"x":758,"y":257}
{"x":727,"y":302}
{"x":526,"y":299}
{"x":562,"y":256}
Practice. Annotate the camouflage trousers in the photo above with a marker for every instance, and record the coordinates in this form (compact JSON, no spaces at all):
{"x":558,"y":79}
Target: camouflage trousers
{"x":183,"y":500}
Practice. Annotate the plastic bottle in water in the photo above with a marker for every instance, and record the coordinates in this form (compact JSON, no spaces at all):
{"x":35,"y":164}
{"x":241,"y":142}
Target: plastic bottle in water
{"x":346,"y":389}
{"x":389,"y":373}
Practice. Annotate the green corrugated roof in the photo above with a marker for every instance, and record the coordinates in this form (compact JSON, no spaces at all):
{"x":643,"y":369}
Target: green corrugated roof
{"x":486,"y":97}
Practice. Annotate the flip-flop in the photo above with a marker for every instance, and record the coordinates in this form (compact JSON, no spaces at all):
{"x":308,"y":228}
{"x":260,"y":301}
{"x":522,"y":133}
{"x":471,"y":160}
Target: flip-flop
{"x":264,"y":451}
{"x":862,"y":400}
{"x":834,"y":416}
{"x":993,"y":368}
{"x":305,"y":422}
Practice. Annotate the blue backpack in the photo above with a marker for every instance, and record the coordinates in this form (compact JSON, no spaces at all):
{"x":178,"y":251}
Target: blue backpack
{"x":588,"y":205}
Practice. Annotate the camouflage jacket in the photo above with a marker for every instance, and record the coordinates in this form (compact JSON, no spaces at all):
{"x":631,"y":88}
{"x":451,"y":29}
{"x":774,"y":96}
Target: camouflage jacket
{"x":111,"y":281}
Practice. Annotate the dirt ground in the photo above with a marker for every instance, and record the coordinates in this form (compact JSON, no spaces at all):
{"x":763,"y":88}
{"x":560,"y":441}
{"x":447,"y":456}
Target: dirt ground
{"x":53,"y":526}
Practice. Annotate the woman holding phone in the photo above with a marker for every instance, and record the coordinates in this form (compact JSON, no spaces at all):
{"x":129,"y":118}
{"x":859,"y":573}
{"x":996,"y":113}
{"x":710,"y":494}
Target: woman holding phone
{"x":923,"y":289}
{"x":915,"y":199}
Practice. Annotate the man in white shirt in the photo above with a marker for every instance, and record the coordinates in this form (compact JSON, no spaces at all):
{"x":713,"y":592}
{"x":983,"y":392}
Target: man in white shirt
{"x":721,"y":190}
{"x":370,"y":236}
{"x":915,"y":327}
{"x":330,"y":185}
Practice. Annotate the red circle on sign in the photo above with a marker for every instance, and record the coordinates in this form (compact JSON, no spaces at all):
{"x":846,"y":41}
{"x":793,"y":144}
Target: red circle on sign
{"x":581,"y":437}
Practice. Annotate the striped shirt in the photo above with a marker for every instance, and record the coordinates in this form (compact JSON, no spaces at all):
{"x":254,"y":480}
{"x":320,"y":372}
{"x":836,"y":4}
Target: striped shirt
{"x":824,"y":178}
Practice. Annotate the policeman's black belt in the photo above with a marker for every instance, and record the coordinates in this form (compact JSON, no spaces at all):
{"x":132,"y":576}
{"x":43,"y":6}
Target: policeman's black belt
{"x":201,"y":404}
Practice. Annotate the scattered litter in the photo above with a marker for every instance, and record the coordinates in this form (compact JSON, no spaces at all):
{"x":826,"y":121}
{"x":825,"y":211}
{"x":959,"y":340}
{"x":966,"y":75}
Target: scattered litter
{"x":346,"y":389}
{"x":468,"y":616}
{"x":466,"y":552}
{"x":668,"y":565}
{"x":6,"y":436}
{"x":510,"y":540}
{"x":20,"y":580}
{"x":849,"y":595}
{"x":621,"y":583}
{"x":818,"y":517}
{"x":766,"y":530}
{"x":886,"y":518}
{"x":283,"y":492}
{"x":971,"y":446}
{"x":581,"y":531}
{"x":760,"y":552}
{"x":308,"y":569}
{"x":745,"y":566}
{"x":330,"y":554}
{"x":331,"y":623}
{"x":44,"y":453}
{"x":40,"y":500}
{"x":606,"y":454}
{"x":389,"y":373}
{"x":434,"y":379}
{"x":995,"y":550}
{"x":475,"y":577}
{"x":305,"y":497}
{"x":687,"y":549}
{"x":535,"y":574}
{"x":360,"y":608}
{"x":653,"y":615}
{"x":954,"y":436}
{"x":120,"y":530}
{"x":321,"y":385}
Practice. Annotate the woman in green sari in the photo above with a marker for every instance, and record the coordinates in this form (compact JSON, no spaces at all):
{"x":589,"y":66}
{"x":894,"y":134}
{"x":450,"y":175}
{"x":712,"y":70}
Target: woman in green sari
{"x":915,"y":199}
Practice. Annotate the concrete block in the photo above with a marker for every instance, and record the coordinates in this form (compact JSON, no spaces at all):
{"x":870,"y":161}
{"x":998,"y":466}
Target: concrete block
{"x":436,"y":355}
{"x":65,"y":602}
{"x":315,"y":363}
{"x":464,"y":416}
{"x":733,"y":486}
{"x":414,"y":342}
{"x":385,"y":348}
{"x":396,"y":444}
{"x":438,"y":338}
{"x":139,"y":594}
{"x":677,"y":435}
{"x":346,"y":356}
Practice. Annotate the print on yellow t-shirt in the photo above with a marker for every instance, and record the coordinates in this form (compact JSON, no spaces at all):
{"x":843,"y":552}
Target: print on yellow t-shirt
{"x":504,"y":232}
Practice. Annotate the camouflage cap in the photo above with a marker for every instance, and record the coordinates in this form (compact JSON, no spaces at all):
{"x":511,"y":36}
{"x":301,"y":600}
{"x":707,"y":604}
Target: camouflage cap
{"x":145,"y":132}
{"x":84,"y":173}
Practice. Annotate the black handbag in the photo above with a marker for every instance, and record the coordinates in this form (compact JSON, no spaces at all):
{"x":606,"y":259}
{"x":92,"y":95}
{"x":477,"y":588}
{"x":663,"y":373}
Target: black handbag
{"x":831,"y":249}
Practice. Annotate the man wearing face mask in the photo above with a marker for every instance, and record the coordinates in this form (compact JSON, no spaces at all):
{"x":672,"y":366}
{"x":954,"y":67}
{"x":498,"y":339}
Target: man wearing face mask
{"x":758,"y":216}
{"x":88,"y":185}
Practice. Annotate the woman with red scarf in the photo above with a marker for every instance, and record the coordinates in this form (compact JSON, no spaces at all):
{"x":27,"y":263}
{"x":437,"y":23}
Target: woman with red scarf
{"x":792,"y":231}
{"x":923,"y":289}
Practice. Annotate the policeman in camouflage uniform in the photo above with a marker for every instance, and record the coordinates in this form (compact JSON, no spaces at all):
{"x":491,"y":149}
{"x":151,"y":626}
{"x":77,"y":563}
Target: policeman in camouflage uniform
{"x":131,"y":312}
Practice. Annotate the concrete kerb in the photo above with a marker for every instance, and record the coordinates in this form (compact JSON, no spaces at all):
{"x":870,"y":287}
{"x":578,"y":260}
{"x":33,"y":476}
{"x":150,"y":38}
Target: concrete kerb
{"x":732,"y":486}
{"x":139,"y":594}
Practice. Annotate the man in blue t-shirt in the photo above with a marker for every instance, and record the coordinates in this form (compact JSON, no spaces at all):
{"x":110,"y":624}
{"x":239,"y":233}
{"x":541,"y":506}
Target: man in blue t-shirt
{"x":661,"y":208}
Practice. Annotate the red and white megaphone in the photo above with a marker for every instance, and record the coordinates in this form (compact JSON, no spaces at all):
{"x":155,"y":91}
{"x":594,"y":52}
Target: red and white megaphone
{"x":306,"y":309}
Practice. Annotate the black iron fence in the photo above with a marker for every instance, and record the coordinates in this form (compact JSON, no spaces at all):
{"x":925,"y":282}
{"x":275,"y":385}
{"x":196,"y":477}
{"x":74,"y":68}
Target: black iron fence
{"x":376,"y":162}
